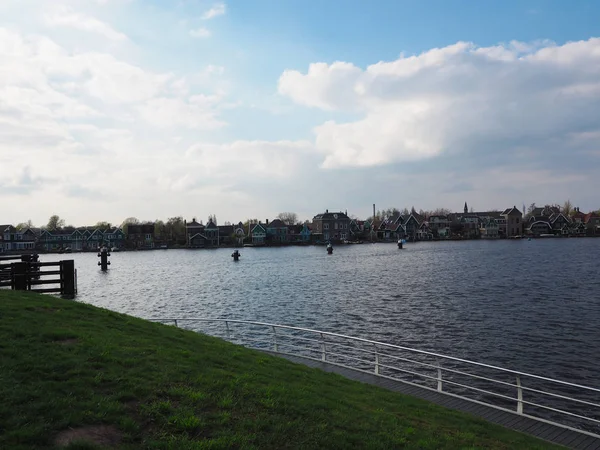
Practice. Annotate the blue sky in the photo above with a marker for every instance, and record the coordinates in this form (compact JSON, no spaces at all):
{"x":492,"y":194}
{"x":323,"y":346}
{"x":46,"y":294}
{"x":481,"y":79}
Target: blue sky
{"x":244,"y":109}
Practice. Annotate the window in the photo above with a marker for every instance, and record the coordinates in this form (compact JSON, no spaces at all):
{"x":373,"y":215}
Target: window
{"x":343,"y":235}
{"x":326,"y":226}
{"x":326,"y":236}
{"x":148,"y":236}
{"x":335,"y":226}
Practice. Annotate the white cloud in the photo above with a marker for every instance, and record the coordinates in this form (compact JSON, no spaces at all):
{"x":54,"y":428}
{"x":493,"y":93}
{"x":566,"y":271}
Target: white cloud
{"x":200,"y":33}
{"x":171,"y":112}
{"x":217,"y":10}
{"x":65,"y":17}
{"x":444,"y":100}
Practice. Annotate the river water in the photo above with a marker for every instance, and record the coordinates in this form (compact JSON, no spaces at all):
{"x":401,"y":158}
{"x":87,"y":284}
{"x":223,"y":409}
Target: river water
{"x":532,"y":306}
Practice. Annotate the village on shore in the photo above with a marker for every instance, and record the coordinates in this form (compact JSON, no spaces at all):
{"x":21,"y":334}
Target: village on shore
{"x":327,"y":227}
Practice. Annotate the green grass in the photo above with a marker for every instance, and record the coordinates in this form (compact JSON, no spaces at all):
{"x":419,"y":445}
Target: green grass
{"x":66,"y":365}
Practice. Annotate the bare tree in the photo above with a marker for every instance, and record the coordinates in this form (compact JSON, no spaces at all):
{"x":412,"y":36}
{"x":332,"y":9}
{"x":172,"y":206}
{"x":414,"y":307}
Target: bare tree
{"x":567,"y":208}
{"x":289,"y":218}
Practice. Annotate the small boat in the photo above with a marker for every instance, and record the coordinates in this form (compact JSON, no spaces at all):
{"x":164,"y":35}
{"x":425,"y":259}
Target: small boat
{"x":114,"y":249}
{"x":163,"y":247}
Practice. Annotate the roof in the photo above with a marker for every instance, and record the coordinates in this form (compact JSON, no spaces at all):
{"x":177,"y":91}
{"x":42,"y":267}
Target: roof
{"x":512,"y":211}
{"x":193,"y":224}
{"x":494,"y":214}
{"x":211,"y":224}
{"x":226,"y":229}
{"x":331,"y":216}
{"x":258,"y":225}
{"x":590,"y":216}
{"x":3,"y":228}
{"x":277,"y":223}
{"x":554,"y":217}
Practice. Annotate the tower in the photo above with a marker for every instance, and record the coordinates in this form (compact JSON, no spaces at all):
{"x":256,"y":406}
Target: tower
{"x":466,"y":208}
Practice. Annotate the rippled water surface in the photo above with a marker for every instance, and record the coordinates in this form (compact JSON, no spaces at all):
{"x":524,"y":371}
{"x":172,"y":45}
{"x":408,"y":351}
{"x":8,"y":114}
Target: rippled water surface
{"x":527,"y":305}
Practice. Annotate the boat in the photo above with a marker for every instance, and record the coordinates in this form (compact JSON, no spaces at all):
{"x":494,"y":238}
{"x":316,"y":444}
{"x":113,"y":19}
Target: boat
{"x":114,"y":249}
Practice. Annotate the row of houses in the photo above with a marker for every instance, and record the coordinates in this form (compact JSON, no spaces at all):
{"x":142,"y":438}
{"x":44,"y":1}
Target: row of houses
{"x":325,"y":227}
{"x":489,"y":224}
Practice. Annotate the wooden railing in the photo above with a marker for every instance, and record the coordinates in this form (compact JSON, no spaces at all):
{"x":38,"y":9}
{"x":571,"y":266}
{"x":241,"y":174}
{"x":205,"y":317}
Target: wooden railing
{"x":26,"y":273}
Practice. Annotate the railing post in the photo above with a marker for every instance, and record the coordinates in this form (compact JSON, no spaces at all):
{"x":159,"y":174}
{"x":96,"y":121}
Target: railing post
{"x":228,"y":333}
{"x":176,"y":324}
{"x":376,"y":362}
{"x":439,"y":379}
{"x":323,"y":352}
{"x":67,"y":278}
{"x":275,"y":346}
{"x":519,"y":396}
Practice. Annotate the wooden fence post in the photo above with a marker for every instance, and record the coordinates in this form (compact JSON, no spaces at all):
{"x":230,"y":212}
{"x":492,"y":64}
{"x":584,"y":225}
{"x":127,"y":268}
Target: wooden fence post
{"x":67,"y":278}
{"x":19,"y":276}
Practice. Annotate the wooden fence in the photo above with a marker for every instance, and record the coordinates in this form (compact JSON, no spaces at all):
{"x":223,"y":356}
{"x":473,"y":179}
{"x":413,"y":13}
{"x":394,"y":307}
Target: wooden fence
{"x":26,"y":273}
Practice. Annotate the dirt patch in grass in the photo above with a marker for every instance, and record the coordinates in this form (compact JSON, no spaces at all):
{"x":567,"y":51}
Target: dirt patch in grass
{"x":104,"y":435}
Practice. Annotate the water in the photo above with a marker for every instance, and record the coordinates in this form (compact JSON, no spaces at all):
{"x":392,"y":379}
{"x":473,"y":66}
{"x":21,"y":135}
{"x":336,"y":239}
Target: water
{"x":532,"y":306}
{"x":528,"y":305}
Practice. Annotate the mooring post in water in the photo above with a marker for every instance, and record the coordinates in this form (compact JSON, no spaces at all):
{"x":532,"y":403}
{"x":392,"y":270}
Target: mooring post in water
{"x":104,"y":262}
{"x":400,"y":244}
{"x":67,"y":278}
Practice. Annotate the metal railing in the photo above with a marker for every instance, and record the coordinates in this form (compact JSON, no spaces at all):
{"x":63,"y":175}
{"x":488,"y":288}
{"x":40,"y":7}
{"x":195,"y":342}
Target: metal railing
{"x":562,"y":403}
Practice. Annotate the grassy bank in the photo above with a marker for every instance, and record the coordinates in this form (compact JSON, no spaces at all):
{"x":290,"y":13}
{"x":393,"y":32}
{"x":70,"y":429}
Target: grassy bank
{"x":70,"y":372}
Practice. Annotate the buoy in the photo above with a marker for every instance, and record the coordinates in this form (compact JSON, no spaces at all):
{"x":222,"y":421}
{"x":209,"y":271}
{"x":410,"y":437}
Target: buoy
{"x":236,"y":255}
{"x":329,"y":249}
{"x":400,"y":244}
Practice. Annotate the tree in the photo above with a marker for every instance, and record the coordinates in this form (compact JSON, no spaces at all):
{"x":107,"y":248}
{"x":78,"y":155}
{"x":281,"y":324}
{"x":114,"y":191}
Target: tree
{"x":25,"y":225}
{"x":103,"y":225}
{"x":55,"y":223}
{"x":567,"y":208}
{"x":530,"y":210}
{"x":127,"y":222}
{"x":289,"y":218}
{"x":175,"y":229}
{"x":213,"y":218}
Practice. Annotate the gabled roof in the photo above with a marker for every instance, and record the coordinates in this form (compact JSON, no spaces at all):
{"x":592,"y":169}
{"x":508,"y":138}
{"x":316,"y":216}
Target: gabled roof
{"x":277,"y":223}
{"x":258,"y":225}
{"x":200,"y":235}
{"x":590,"y":216}
{"x":512,"y":211}
{"x":211,"y":224}
{"x":6,"y":228}
{"x":554,"y":217}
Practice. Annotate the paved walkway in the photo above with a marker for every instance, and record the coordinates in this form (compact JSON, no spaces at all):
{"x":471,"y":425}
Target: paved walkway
{"x":547,"y":432}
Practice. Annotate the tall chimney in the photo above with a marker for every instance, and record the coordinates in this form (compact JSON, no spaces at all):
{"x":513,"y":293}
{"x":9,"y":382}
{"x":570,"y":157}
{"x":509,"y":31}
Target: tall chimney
{"x":267,"y":221}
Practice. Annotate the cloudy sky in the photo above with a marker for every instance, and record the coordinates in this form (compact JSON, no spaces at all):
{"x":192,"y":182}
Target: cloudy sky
{"x":244,"y":109}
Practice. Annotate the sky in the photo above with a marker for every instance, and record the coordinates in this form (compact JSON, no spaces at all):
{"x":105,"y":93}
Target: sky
{"x":244,"y":109}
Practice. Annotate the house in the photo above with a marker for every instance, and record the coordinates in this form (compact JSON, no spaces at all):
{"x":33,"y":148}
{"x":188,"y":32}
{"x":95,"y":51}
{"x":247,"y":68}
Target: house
{"x":539,"y":227}
{"x":490,"y":229}
{"x":577,"y":216}
{"x":424,"y":233}
{"x":592,"y":223}
{"x":14,"y":240}
{"x":411,"y":225}
{"x":470,"y":225}
{"x":114,"y":238}
{"x":259,"y":234}
{"x":239,"y":233}
{"x":194,"y":231}
{"x":561,"y":224}
{"x":225,"y":234}
{"x":277,"y":232}
{"x":140,"y":236}
{"x":513,"y":222}
{"x":50,"y":241}
{"x":333,"y":226}
{"x":299,"y":234}
{"x":577,"y":229}
{"x":211,"y":232}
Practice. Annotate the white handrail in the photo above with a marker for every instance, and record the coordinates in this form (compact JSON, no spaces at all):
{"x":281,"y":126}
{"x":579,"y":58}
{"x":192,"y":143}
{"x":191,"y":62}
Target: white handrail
{"x":502,"y":369}
{"x":324,"y":348}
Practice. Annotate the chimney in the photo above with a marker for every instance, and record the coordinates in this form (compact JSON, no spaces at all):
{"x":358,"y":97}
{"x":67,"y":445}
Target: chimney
{"x":326,"y":211}
{"x":267,"y":222}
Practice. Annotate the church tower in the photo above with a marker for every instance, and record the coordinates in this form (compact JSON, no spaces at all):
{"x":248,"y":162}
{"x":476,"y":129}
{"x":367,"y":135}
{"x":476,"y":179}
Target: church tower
{"x":466,"y":209}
